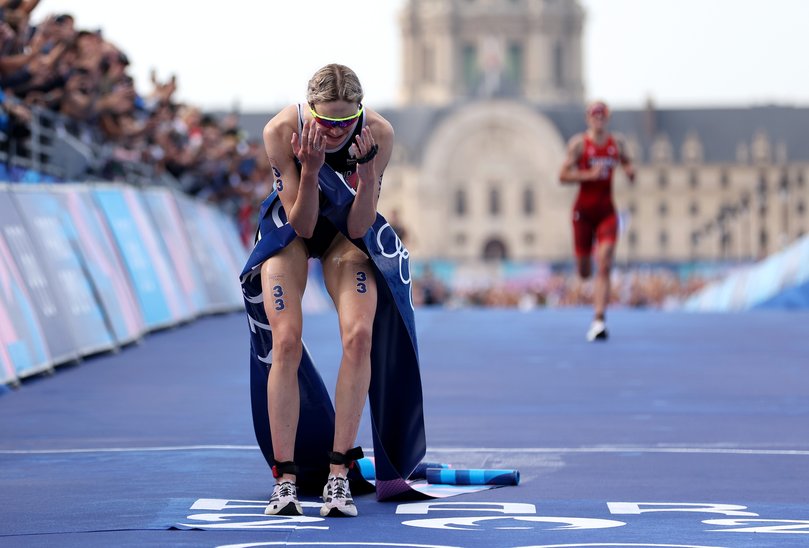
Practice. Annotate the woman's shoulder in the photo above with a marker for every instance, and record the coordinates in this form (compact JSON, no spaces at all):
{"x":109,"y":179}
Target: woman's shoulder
{"x":378,"y":124}
{"x":285,"y":121}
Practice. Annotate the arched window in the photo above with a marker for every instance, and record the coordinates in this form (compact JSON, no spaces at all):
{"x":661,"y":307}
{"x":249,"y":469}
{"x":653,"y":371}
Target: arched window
{"x":763,"y":240}
{"x":663,"y":240}
{"x":495,"y":250}
{"x":632,"y":238}
{"x":693,"y":178}
{"x":558,"y":65}
{"x":460,"y":202}
{"x":494,"y":201}
{"x":514,"y":64}
{"x":724,"y":179}
{"x":528,"y":202}
{"x":471,"y":70}
{"x":428,"y":64}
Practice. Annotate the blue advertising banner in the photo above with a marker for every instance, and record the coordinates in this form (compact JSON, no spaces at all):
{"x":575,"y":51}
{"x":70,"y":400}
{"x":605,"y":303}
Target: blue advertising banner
{"x":54,"y":237}
{"x":165,"y":213}
{"x":23,"y":349}
{"x":145,"y":260}
{"x":212,"y":256}
{"x":53,"y":320}
{"x":88,"y":231}
{"x":227,"y":246}
{"x":7,"y":373}
{"x":229,"y":233}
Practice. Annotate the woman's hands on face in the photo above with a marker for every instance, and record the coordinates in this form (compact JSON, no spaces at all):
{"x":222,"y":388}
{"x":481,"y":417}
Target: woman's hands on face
{"x":362,"y":147}
{"x":310,"y":146}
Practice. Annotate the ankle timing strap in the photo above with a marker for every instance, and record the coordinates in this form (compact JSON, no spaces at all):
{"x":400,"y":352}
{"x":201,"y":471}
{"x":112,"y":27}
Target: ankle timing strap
{"x":348,"y":458}
{"x":281,"y":468}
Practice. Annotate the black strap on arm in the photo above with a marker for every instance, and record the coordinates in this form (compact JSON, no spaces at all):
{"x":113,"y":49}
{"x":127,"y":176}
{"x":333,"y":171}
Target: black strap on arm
{"x":368,"y":157}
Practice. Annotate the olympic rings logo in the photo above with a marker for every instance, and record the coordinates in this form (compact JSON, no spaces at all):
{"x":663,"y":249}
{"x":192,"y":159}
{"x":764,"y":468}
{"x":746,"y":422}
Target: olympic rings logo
{"x":400,"y":251}
{"x":275,"y":213}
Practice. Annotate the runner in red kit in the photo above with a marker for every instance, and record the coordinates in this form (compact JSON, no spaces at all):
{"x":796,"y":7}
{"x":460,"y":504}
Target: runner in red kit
{"x":591,"y":159}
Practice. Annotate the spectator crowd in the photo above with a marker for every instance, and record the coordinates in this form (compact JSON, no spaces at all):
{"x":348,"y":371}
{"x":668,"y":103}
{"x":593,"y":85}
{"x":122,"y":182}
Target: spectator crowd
{"x":638,"y":287}
{"x":78,"y":73}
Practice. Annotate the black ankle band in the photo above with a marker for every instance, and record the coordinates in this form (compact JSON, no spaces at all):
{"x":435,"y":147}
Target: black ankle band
{"x":281,"y":468}
{"x":346,"y":459}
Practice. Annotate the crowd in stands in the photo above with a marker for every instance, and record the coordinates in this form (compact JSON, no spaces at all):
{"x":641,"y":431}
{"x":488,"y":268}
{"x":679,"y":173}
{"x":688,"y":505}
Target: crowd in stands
{"x":657,"y":288}
{"x":81,"y":75}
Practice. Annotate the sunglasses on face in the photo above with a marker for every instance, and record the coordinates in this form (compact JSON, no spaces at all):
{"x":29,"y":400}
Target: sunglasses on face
{"x":598,"y":112}
{"x":335,"y":122}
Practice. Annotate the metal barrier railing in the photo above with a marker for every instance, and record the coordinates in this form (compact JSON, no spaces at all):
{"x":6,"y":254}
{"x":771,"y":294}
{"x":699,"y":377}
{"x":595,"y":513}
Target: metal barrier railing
{"x":67,"y":150}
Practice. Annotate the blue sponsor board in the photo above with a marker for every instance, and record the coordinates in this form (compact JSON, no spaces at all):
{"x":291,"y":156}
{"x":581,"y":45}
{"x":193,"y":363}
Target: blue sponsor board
{"x":223,"y":236}
{"x":53,"y":319}
{"x":212,"y":257}
{"x":54,"y":236}
{"x":228,"y":231}
{"x":87,"y":230}
{"x":136,"y":256}
{"x":23,"y":349}
{"x":166,"y":217}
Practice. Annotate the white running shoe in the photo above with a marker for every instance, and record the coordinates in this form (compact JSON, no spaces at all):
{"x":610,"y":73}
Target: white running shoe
{"x":284,"y":500}
{"x":337,"y":499}
{"x":597,"y":331}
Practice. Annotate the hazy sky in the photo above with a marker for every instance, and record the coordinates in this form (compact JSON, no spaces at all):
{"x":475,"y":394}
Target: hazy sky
{"x":259,"y":54}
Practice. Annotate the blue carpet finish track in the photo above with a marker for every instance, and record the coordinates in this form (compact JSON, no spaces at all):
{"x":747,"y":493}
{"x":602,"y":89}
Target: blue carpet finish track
{"x":682,"y":430}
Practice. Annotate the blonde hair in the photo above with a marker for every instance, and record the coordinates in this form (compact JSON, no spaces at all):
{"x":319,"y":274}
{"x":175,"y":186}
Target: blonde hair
{"x":334,"y":83}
